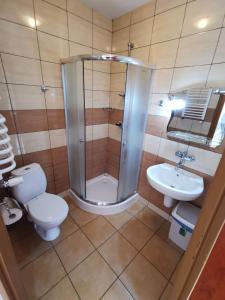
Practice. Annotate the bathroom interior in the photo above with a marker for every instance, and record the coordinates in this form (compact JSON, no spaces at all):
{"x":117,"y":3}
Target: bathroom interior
{"x":112,"y":126}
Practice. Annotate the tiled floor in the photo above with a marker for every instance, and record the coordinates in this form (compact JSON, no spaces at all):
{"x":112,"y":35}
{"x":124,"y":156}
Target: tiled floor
{"x":119,"y":257}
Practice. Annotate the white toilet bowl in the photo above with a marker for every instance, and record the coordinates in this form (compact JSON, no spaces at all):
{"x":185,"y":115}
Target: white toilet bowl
{"x":46,"y":211}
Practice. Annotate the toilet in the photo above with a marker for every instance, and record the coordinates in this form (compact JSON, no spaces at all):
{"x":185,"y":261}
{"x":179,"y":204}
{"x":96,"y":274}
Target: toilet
{"x":46,"y":211}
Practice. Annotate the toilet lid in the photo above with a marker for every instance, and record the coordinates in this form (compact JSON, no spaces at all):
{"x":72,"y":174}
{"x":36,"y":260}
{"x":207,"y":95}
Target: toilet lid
{"x":47,"y":207}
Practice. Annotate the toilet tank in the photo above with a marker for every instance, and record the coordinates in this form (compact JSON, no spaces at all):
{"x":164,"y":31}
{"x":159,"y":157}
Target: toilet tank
{"x":34,"y":182}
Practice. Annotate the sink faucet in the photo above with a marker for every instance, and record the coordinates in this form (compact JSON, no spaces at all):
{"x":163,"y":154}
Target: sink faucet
{"x":183,"y":157}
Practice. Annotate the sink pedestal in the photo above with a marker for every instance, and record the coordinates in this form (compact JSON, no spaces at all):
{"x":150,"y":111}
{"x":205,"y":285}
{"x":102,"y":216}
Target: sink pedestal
{"x":168,"y":201}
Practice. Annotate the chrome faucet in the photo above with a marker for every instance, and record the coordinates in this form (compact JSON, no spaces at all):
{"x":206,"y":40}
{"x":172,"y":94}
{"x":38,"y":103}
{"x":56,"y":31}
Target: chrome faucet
{"x":183,"y":157}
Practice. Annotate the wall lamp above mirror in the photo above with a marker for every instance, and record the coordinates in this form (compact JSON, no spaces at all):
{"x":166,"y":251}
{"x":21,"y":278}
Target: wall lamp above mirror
{"x":198,"y":116}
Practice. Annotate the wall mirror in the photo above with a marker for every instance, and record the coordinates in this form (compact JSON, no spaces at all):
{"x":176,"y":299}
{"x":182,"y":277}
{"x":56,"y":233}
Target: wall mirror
{"x":198,"y":116}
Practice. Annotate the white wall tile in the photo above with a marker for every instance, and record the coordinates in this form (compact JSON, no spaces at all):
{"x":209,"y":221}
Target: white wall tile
{"x":114,"y":132}
{"x":100,"y":131}
{"x":216,"y":76}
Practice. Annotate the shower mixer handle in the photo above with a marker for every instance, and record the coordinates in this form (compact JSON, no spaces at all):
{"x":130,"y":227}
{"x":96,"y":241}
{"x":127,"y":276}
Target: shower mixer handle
{"x":119,"y":124}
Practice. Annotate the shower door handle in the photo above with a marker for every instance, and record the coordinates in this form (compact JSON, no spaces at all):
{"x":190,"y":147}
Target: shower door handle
{"x":81,"y":140}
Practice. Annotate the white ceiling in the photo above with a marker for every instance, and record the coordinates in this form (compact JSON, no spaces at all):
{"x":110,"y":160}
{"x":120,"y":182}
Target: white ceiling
{"x":114,"y":8}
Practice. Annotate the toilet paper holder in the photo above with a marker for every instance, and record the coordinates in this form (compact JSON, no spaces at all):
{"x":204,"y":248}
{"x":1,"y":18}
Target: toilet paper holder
{"x":10,"y":211}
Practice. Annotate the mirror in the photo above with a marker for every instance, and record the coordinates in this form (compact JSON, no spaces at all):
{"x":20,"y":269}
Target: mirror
{"x":198,"y":116}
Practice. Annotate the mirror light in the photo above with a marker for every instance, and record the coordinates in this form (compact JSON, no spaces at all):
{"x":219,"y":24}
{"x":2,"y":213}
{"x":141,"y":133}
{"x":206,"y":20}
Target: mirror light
{"x":31,"y":22}
{"x":177,"y":104}
{"x":202,"y":23}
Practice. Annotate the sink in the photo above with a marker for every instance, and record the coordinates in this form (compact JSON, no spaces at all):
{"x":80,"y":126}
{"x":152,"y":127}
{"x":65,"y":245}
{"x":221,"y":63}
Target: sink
{"x":175,"y":184}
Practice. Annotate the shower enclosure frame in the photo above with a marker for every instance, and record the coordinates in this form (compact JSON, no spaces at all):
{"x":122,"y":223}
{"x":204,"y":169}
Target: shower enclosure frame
{"x":135,"y":69}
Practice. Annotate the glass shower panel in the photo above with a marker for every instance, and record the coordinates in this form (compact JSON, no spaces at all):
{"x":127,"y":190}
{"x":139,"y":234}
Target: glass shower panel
{"x":135,"y":115}
{"x":74,"y":106}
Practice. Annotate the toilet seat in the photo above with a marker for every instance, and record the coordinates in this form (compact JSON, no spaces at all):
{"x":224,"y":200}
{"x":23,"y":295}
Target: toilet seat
{"x":47,"y":209}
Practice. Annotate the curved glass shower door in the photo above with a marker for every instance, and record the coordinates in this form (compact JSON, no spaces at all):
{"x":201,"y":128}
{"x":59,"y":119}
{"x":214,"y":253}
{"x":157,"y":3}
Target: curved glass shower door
{"x":134,"y":121}
{"x":73,"y":81}
{"x":106,"y":110}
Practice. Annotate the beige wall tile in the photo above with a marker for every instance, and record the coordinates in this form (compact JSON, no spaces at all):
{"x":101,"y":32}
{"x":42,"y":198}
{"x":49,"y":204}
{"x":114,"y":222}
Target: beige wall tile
{"x":100,"y":99}
{"x":88,"y":79}
{"x":116,"y":101}
{"x":100,"y":131}
{"x":120,"y":39}
{"x":59,"y":3}
{"x":17,"y":39}
{"x":163,"y":55}
{"x":143,"y":12}
{"x":168,"y":25}
{"x":51,"y":74}
{"x":26,"y":97}
{"x":51,"y":19}
{"x":141,"y":54}
{"x":52,"y":48}
{"x":216,"y":76}
{"x":151,"y":144}
{"x":19,"y":11}
{"x":156,"y":109}
{"x":197,"y":49}
{"x":4,"y":97}
{"x":203,"y":12}
{"x":80,"y":31}
{"x":54,"y":98}
{"x":101,"y":81}
{"x":14,"y":141}
{"x":102,"y":66}
{"x":77,"y":49}
{"x":205,"y":162}
{"x":189,"y":77}
{"x":162,"y":5}
{"x":115,"y":132}
{"x":89,"y":133}
{"x":117,"y":83}
{"x":88,"y":99}
{"x":162,"y":80}
{"x":79,"y":9}
{"x":57,"y":138}
{"x":35,"y":141}
{"x":220,"y":51}
{"x":2,"y":75}
{"x":102,"y":21}
{"x":101,"y":39}
{"x":140,"y":33}
{"x":22,"y":70}
{"x":121,"y":22}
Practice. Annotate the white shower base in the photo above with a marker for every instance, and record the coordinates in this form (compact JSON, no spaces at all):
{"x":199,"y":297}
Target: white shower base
{"x":102,"y":189}
{"x":102,"y":195}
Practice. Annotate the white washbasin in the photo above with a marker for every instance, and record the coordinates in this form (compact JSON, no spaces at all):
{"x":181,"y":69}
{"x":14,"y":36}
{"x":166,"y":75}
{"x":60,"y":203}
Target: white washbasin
{"x":180,"y":185}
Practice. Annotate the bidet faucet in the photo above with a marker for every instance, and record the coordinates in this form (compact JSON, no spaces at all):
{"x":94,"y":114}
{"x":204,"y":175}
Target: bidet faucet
{"x":183,"y":157}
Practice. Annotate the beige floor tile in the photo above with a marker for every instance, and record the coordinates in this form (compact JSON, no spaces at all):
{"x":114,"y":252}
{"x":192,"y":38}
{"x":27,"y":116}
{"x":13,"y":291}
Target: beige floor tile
{"x":176,"y":272}
{"x":150,"y":218}
{"x":29,"y":248}
{"x":40,"y":275}
{"x":70,"y":202}
{"x":20,"y":229}
{"x":143,"y":280}
{"x":81,"y":217}
{"x":62,"y":291}
{"x":163,"y":256}
{"x":118,"y":220}
{"x":117,"y":252}
{"x":92,"y":278}
{"x":117,"y":292}
{"x":135,"y":208}
{"x":166,"y":293}
{"x":98,"y":231}
{"x":73,"y":250}
{"x":67,"y":227}
{"x":163,"y":232}
{"x":136,"y":232}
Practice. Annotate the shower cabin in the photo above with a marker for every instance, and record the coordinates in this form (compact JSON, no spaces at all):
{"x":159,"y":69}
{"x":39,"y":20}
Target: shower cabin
{"x":106,"y":105}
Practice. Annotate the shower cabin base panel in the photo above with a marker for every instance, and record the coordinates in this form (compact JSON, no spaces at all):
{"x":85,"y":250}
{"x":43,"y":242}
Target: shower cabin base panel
{"x":102,"y":196}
